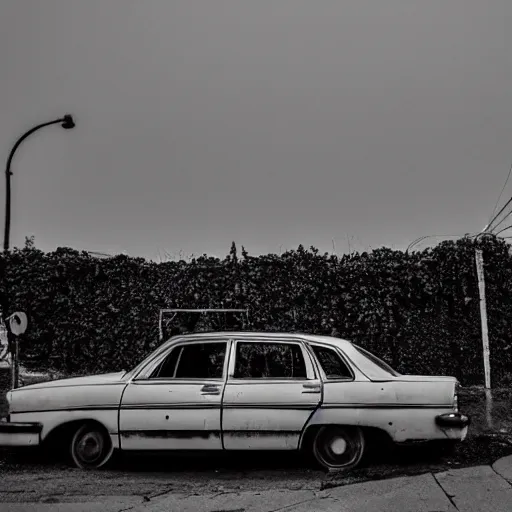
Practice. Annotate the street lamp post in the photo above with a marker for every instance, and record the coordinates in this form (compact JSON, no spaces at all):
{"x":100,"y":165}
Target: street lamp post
{"x":67,"y":123}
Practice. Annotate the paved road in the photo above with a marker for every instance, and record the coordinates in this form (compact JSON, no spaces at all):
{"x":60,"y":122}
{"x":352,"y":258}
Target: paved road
{"x":463,"y":490}
{"x":29,"y":483}
{"x":25,"y":478}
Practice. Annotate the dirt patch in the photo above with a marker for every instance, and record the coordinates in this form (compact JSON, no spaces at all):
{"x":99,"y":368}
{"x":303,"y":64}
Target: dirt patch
{"x":490,"y":412}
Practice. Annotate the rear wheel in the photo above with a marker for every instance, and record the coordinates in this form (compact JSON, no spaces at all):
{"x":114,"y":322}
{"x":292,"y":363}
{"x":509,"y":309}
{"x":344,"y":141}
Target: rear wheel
{"x":91,"y":447}
{"x":338,"y":447}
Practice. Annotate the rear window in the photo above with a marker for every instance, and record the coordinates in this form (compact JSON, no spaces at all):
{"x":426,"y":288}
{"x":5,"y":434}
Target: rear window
{"x":331,"y":363}
{"x":376,"y":361}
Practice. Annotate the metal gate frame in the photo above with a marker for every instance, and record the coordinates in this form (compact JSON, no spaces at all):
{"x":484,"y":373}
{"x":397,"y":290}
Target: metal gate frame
{"x":175,"y":311}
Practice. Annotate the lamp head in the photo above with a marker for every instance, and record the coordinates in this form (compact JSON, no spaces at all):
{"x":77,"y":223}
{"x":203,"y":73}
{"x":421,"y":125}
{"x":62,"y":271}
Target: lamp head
{"x":68,"y":122}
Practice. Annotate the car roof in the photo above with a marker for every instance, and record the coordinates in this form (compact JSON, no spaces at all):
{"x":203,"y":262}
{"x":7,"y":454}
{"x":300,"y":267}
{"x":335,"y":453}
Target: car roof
{"x":330,"y":340}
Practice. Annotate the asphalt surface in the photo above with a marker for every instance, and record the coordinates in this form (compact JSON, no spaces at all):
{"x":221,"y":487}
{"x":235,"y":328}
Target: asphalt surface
{"x":26,"y":477}
{"x":29,"y":476}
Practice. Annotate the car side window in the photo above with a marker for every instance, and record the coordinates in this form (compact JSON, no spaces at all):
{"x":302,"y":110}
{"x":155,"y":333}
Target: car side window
{"x":269,"y":361}
{"x":193,"y":361}
{"x":332,"y":364}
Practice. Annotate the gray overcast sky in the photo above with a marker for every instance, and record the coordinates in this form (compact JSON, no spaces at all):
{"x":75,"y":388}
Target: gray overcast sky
{"x":267,"y":122}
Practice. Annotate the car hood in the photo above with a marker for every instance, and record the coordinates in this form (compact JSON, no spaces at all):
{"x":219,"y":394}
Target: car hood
{"x":88,"y":380}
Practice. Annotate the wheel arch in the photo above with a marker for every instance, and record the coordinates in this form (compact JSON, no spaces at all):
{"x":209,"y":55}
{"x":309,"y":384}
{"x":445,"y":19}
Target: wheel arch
{"x":61,"y":434}
{"x":372,"y":435}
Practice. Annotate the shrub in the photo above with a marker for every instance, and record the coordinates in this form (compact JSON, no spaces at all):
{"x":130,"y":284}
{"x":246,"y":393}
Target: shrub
{"x":419,"y":311}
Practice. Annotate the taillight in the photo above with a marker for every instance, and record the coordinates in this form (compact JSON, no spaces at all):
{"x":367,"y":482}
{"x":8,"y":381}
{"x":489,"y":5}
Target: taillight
{"x":456,"y":397}
{"x":8,"y":399}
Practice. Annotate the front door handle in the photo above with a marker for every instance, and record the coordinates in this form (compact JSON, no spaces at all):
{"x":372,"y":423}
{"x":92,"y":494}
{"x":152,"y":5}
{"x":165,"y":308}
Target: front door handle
{"x":312,"y":388}
{"x":210,"y":389}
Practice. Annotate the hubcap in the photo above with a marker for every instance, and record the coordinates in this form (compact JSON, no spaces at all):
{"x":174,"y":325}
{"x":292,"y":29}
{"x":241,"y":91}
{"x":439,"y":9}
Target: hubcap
{"x":338,"y":445}
{"x":90,"y":446}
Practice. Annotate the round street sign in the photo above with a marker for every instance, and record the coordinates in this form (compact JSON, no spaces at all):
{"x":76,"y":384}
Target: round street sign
{"x":18,"y":323}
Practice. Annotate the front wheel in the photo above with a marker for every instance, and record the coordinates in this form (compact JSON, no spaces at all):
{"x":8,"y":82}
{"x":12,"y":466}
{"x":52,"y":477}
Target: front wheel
{"x":337,"y":447}
{"x":91,"y":446}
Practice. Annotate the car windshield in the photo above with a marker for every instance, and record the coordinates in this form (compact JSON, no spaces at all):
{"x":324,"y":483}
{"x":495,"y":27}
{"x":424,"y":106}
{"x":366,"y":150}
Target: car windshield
{"x":153,"y":355}
{"x":375,"y":365}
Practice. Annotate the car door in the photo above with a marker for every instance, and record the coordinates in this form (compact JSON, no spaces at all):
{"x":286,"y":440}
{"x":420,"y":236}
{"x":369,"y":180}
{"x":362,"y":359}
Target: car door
{"x":339,"y":380}
{"x":271,"y":391}
{"x":176,"y":403}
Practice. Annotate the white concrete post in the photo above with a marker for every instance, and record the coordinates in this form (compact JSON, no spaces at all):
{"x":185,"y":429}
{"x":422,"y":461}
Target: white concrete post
{"x":483,"y":316}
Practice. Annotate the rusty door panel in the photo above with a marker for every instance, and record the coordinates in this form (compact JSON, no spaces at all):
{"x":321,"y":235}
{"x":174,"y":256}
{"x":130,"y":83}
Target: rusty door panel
{"x":267,"y":415}
{"x":171,"y":416}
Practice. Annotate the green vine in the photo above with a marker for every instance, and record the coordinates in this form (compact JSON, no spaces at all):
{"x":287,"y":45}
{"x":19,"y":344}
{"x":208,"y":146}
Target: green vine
{"x":419,"y":311}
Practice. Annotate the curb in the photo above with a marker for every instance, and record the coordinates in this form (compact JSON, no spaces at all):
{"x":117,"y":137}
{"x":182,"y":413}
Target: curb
{"x":503,"y":467}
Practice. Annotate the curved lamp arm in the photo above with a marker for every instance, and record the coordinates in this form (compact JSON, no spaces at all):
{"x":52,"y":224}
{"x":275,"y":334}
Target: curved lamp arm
{"x":67,"y":123}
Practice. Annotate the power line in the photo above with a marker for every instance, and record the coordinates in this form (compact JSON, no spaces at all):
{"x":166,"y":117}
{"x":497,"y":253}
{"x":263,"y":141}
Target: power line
{"x":501,"y":193}
{"x":504,"y":229}
{"x":498,"y":214}
{"x":502,"y":220}
{"x":421,"y":238}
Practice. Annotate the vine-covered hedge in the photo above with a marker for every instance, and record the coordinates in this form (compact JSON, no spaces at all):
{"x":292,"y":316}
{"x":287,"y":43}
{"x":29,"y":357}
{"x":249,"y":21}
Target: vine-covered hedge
{"x":419,"y":311}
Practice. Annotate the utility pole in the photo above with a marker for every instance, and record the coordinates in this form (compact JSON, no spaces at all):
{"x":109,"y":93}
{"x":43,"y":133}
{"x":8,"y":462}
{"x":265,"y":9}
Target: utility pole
{"x":485,"y":335}
{"x":483,"y":315}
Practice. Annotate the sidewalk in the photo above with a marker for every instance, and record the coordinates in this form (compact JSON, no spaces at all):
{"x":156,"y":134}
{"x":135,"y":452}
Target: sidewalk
{"x":465,"y":490}
{"x":474,"y":489}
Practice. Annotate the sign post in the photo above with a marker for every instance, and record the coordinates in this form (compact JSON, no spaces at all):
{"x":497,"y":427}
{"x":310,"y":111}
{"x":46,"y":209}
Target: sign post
{"x":17,"y":325}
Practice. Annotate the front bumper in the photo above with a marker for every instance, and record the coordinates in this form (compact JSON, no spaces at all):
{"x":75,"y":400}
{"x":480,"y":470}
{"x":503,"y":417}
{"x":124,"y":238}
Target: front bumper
{"x":20,"y":434}
{"x":453,"y":420}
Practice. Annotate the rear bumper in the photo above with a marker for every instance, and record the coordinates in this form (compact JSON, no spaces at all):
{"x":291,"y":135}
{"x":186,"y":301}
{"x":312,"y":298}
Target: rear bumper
{"x":453,"y":420}
{"x":20,"y":434}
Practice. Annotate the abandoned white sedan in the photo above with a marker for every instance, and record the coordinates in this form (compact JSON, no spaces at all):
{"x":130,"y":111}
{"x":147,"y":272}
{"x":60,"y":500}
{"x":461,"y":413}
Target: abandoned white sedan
{"x":238,"y":391}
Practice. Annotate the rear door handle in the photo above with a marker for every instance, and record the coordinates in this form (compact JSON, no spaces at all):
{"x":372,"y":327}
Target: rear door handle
{"x":210,"y":389}
{"x":312,"y":388}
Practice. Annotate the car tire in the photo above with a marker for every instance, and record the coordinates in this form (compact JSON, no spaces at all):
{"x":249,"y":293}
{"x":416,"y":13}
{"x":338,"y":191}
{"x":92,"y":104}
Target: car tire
{"x":338,"y":447}
{"x":91,"y":447}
